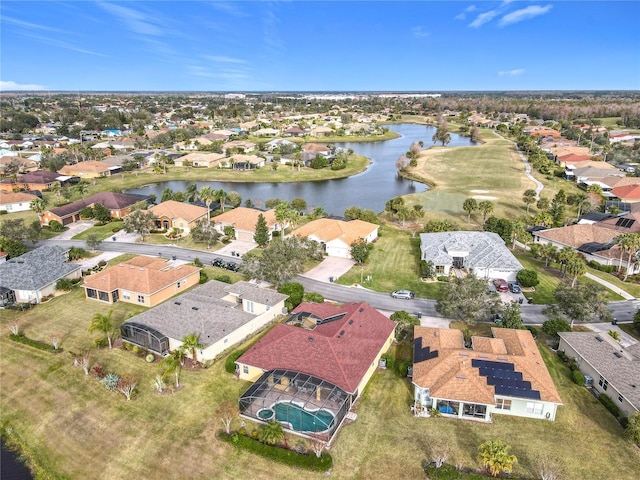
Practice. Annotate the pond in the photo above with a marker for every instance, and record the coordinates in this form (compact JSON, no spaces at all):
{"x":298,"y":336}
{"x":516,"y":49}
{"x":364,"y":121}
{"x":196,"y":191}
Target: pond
{"x":370,"y":189}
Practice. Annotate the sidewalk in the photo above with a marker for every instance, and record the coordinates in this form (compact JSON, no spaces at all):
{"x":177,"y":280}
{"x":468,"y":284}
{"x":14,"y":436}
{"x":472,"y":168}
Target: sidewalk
{"x":610,"y":286}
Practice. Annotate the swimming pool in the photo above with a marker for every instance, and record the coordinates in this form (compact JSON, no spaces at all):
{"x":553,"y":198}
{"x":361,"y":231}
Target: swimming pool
{"x":298,"y":418}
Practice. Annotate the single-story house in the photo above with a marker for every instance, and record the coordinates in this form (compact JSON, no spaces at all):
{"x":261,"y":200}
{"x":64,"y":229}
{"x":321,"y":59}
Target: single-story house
{"x":33,"y":275}
{"x":172,"y":214}
{"x":39,"y":180}
{"x":317,"y":149}
{"x":500,"y":375}
{"x":483,"y":254}
{"x":87,"y":169}
{"x":15,"y":201}
{"x":24,"y":164}
{"x":244,"y":220}
{"x":240,"y":161}
{"x":320,"y":360}
{"x":266,"y":132}
{"x":119,"y":205}
{"x":221,"y":314}
{"x":199,"y":160}
{"x":239,"y":146}
{"x":142,"y":280}
{"x":294,"y":132}
{"x":277,"y":143}
{"x":613,"y":370}
{"x":336,"y":236}
{"x":627,"y":193}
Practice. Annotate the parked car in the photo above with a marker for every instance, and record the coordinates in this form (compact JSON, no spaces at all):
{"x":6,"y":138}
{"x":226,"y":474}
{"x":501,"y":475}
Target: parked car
{"x":514,"y":287}
{"x":233,"y":266}
{"x":496,"y":318}
{"x":218,"y":262}
{"x":404,"y":294}
{"x":501,"y":285}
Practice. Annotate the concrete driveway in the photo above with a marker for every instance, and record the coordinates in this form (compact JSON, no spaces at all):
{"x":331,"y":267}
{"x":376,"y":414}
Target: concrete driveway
{"x":330,"y":267}
{"x":74,"y":229}
{"x":626,"y":340}
{"x":238,"y":247}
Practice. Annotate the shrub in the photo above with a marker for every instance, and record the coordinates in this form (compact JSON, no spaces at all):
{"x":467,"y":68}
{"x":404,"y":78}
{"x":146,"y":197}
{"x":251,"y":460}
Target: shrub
{"x":99,"y":372}
{"x":553,"y":326}
{"x":20,"y":338}
{"x":295,"y":292}
{"x":197,"y":262}
{"x":391,"y":362}
{"x":203,"y":277}
{"x":578,"y":377}
{"x":279,"y":454}
{"x":224,"y":278}
{"x":603,"y":268}
{"x":111,"y":381}
{"x":527,"y":278}
{"x":100,"y":342}
{"x":403,"y":369}
{"x":116,"y":229}
{"x":313,"y":297}
{"x":64,"y":284}
{"x":533,"y":330}
{"x":102,"y":263}
{"x":76,"y":252}
{"x":55,"y":226}
{"x":229,"y":363}
{"x":609,"y":405}
{"x":443,"y":278}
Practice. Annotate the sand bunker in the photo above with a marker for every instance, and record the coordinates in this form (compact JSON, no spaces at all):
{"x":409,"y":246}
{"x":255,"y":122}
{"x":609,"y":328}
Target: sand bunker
{"x":479,"y":191}
{"x":484,"y":197}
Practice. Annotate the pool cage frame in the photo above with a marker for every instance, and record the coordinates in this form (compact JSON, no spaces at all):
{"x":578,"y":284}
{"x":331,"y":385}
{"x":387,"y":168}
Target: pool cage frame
{"x":307,"y":391}
{"x":144,"y":336}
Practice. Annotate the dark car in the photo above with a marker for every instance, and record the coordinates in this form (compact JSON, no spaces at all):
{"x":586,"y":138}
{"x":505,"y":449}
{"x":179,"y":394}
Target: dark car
{"x":501,"y":285}
{"x":218,"y":262}
{"x":233,"y":266}
{"x":514,"y":287}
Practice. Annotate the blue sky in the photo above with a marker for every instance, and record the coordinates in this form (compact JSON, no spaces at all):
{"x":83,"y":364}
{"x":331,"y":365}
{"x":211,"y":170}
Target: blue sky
{"x":302,"y":45}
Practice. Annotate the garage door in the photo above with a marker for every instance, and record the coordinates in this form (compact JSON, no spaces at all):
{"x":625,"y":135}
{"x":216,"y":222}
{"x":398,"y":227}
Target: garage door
{"x":244,"y":236}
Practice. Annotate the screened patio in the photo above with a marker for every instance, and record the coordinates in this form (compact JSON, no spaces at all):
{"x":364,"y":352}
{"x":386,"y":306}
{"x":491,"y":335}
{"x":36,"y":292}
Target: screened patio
{"x":303,"y":404}
{"x":146,"y":337}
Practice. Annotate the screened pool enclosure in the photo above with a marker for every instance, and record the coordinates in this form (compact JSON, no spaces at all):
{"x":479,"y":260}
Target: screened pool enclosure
{"x":144,"y":336}
{"x":302,"y":403}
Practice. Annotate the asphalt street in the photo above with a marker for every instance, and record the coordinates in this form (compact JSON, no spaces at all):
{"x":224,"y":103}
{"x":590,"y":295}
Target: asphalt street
{"x":622,"y":311}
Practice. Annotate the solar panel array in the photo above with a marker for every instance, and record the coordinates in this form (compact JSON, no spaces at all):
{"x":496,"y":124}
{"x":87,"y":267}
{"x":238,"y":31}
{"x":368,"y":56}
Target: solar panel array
{"x":625,"y":222}
{"x":421,"y":354}
{"x":591,"y":247}
{"x":505,"y":379}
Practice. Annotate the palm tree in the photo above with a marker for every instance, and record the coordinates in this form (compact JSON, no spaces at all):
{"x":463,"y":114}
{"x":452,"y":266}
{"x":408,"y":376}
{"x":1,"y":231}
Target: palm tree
{"x":221,"y":196}
{"x":191,"y":193}
{"x":82,"y":188}
{"x":495,"y":457}
{"x":470,"y":205}
{"x":576,"y":266}
{"x":548,"y":251}
{"x":486,"y":207}
{"x":38,"y":205}
{"x":566,"y":255}
{"x":633,"y":244}
{"x":283,"y":216}
{"x":529,"y":198}
{"x":271,"y":433}
{"x":174,"y":363}
{"x":55,"y":188}
{"x":191,"y":343}
{"x":207,"y":195}
{"x":103,"y":324}
{"x":580,"y":200}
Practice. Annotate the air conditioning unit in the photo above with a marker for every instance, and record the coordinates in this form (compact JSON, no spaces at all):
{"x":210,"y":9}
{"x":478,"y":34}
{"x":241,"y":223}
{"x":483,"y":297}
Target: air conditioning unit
{"x":588,"y":381}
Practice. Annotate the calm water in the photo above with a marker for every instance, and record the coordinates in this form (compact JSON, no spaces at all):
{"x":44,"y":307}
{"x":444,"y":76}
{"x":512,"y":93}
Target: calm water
{"x":370,"y":189}
{"x":10,"y":467}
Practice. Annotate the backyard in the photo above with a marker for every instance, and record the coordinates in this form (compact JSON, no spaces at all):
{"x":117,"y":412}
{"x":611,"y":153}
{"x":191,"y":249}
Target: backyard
{"x":98,"y":434}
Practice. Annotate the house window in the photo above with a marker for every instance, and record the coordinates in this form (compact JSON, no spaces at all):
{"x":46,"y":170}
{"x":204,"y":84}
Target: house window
{"x":91,"y":293}
{"x":245,"y":369}
{"x":535,"y":408}
{"x":249,"y":306}
{"x":126,"y":295}
{"x":620,"y":398}
{"x":179,"y":284}
{"x":503,"y":404}
{"x":140,"y":298}
{"x":603,"y":383}
{"x":439,"y":268}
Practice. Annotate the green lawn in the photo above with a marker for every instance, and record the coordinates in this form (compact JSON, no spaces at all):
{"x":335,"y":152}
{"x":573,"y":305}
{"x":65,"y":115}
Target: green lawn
{"x":394,"y":264}
{"x":71,"y":427}
{"x":102,"y":231}
{"x":632,"y":288}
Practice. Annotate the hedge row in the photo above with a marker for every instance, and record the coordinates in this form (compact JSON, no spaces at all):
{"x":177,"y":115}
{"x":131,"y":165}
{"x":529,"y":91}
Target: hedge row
{"x":604,"y":268}
{"x":279,"y":454}
{"x":20,"y":338}
{"x":449,"y":472}
{"x":609,"y":405}
{"x":230,"y":362}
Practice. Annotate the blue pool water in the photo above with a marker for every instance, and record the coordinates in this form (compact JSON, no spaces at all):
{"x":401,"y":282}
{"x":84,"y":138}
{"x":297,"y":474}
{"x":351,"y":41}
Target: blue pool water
{"x":300,"y":419}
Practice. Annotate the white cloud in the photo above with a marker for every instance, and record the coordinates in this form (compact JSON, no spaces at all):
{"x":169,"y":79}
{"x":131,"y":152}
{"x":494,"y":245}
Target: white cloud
{"x":471,"y":8}
{"x":137,"y":22}
{"x":484,"y":18}
{"x":419,"y":32}
{"x":463,"y":14}
{"x":523,"y":14}
{"x":29,"y":25}
{"x":511,"y":73}
{"x":223,"y":59}
{"x":228,"y":7}
{"x":10,"y":85}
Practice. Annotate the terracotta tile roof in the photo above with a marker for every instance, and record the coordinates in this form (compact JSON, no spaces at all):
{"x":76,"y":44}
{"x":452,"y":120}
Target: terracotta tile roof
{"x":576,"y":235}
{"x":84,"y":167}
{"x":573,"y":158}
{"x":615,"y":181}
{"x":339,"y":351}
{"x":174,"y":210}
{"x":243,"y":218}
{"x":15,"y":197}
{"x":450,"y":373}
{"x":315,"y":147}
{"x":564,"y":150}
{"x":616,"y":223}
{"x":627,"y":192}
{"x":140,"y":274}
{"x":327,"y":229}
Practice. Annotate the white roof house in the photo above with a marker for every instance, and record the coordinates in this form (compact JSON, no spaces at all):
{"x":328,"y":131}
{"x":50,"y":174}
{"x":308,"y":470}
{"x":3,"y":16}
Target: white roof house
{"x":483,"y":254}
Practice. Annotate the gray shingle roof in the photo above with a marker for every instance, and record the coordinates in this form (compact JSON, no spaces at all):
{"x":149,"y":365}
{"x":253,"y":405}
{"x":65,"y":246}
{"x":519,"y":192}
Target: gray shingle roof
{"x":486,"y":249}
{"x":36,"y":269}
{"x":622,"y":372}
{"x":203,"y":311}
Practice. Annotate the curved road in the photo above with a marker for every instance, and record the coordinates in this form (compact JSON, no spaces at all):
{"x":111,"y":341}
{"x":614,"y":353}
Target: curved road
{"x":623,"y":311}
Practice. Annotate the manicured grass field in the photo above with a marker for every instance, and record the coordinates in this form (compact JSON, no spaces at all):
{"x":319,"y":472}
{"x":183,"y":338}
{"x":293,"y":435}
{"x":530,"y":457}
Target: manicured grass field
{"x":394,"y":264}
{"x":103,"y":232}
{"x":492,"y":171}
{"x":632,"y":288}
{"x":74,"y":428}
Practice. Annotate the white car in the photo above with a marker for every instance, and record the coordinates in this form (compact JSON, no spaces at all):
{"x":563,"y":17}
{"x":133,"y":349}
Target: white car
{"x":405,"y":294}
